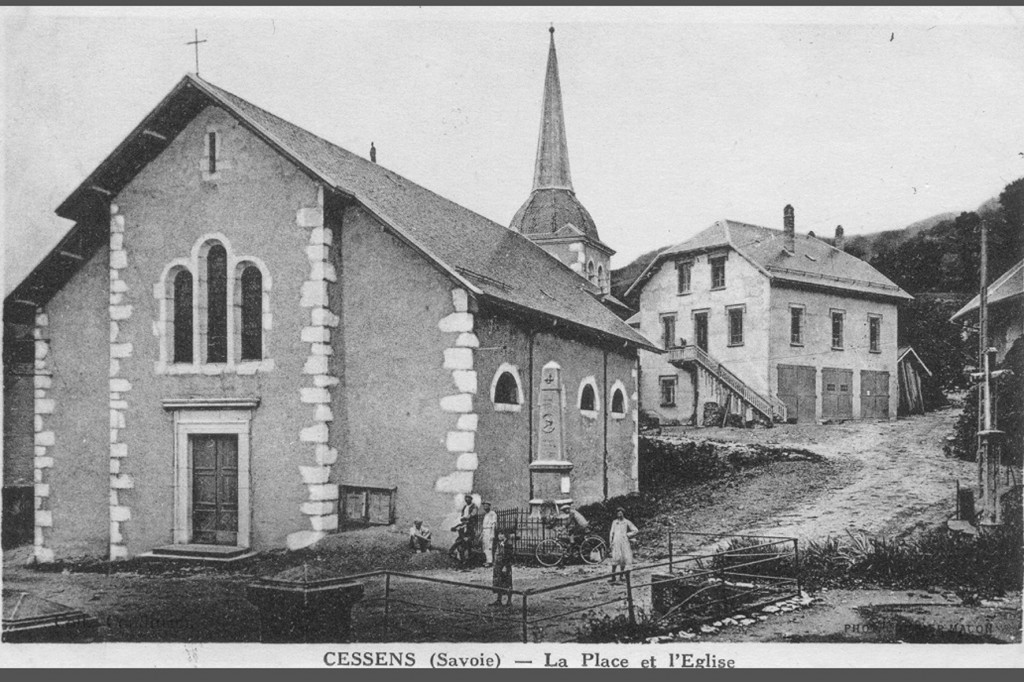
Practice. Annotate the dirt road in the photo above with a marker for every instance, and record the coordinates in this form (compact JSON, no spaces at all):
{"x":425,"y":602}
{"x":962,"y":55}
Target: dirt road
{"x":893,"y":475}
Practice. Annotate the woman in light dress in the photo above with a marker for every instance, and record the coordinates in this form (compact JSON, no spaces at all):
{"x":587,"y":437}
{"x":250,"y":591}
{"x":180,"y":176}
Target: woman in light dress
{"x":621,"y":533}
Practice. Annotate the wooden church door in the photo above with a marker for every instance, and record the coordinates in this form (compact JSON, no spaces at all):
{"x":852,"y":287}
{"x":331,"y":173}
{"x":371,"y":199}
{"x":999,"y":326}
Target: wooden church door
{"x":214,"y":489}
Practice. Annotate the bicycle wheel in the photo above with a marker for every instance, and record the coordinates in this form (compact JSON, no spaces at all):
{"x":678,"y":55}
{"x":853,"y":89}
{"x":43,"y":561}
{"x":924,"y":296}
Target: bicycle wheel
{"x":593,"y":550}
{"x":550,"y":552}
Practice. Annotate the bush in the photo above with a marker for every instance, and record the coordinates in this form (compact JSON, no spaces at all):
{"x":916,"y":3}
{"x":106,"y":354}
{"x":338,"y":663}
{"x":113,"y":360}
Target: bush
{"x":617,"y":628}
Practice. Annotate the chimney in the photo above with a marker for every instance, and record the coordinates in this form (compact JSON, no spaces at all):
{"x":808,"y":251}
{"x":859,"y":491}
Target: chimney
{"x":789,"y":227}
{"x":840,"y":241}
{"x":373,"y":153}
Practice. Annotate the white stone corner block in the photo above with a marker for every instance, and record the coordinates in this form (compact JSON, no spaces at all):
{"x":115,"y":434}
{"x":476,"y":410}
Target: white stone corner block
{"x":121,"y":350}
{"x":460,"y":300}
{"x":465,"y":380}
{"x":316,"y":335}
{"x":42,"y":381}
{"x":324,"y":318}
{"x":467,"y":422}
{"x":314,"y":434}
{"x":325,"y":380}
{"x":323,"y":413}
{"x":323,"y":491}
{"x":467,"y":340}
{"x":45,"y":438}
{"x":458,"y":358}
{"x":119,"y":513}
{"x":44,"y":555}
{"x":459,"y":482}
{"x":317,"y":508}
{"x":120,"y":312}
{"x":321,"y":235}
{"x":45,"y":406}
{"x":122,"y":482}
{"x":461,"y":441}
{"x":309,"y":217}
{"x":118,"y":259}
{"x":314,"y":475}
{"x":42,"y":462}
{"x":314,"y":395}
{"x":118,"y":552}
{"x":304,"y":538}
{"x":463,"y":402}
{"x":456,"y":322}
{"x":120,"y":386}
{"x":468,"y":461}
{"x":315,"y":364}
{"x":44,"y":518}
{"x":118,"y":450}
{"x":324,"y":523}
{"x":314,"y":294}
{"x":325,"y":454}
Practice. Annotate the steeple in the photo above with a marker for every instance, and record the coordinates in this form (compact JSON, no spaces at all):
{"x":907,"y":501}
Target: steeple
{"x":552,"y":167}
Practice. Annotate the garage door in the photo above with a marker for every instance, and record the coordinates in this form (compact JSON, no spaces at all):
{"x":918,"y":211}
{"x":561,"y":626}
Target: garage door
{"x":796,"y":389}
{"x":836,"y":393}
{"x":874,"y":394}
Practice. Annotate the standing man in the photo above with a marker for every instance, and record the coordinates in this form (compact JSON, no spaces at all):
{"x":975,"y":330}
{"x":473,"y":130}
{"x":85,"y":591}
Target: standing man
{"x":621,"y":533}
{"x":470,"y":520}
{"x":490,"y":524}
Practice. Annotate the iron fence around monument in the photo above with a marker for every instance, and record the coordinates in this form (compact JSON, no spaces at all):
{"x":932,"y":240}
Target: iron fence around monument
{"x":530,"y":528}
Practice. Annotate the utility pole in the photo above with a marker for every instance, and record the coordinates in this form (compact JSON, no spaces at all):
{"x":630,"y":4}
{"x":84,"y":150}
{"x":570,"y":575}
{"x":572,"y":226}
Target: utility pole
{"x":989,"y":438}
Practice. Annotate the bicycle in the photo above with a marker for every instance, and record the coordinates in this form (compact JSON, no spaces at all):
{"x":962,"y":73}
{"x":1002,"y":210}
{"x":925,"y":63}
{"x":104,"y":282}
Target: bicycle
{"x":554,"y":551}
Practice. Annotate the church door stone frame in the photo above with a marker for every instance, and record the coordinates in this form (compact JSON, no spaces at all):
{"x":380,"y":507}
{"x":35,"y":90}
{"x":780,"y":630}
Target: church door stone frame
{"x":213,"y":417}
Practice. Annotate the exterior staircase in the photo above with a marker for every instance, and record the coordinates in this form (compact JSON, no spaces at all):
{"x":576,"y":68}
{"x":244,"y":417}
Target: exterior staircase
{"x":769,"y":407}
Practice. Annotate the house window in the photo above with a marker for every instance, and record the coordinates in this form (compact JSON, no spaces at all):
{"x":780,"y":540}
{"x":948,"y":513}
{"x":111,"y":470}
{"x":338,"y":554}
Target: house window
{"x":506,"y":389}
{"x":684,"y":270}
{"x":668,"y":331}
{"x":837,"y":329}
{"x":252,"y":313}
{"x":217,"y":304}
{"x":668,"y":391}
{"x":718,"y":273}
{"x":875,"y":333}
{"x":735,"y":326}
{"x":181,"y":317}
{"x":211,"y":152}
{"x":587,"y":398}
{"x":796,"y":326}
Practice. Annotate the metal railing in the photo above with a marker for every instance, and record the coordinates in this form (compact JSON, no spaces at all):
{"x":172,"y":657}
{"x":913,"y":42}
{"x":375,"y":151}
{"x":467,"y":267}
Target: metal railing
{"x":770,"y":406}
{"x":689,"y":587}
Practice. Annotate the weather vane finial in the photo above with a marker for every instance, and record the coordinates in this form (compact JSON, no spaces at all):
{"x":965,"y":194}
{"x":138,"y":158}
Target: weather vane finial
{"x":552,"y":28}
{"x":196,"y":43}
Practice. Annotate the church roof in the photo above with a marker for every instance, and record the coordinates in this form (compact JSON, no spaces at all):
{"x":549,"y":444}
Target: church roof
{"x":552,"y":203}
{"x":482,"y":256}
{"x":813,"y":263}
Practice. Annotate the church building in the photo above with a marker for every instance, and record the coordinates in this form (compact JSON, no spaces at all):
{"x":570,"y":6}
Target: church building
{"x":252,"y":338}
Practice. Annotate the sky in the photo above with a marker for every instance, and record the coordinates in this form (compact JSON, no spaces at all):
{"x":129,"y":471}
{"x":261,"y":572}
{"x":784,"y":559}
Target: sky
{"x":872,"y":118}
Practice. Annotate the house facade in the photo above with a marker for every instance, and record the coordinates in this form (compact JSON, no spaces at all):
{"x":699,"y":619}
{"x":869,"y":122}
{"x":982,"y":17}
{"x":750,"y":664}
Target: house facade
{"x":767,"y":324}
{"x":1005,"y":311}
{"x":252,"y":338}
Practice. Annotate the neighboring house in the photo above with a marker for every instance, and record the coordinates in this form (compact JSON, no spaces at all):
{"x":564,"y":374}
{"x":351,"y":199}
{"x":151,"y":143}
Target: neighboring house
{"x":769,"y":323}
{"x":251,"y":337}
{"x":911,"y":367}
{"x":1005,"y":310}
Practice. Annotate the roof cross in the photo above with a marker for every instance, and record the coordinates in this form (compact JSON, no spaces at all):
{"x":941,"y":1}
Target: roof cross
{"x":196,"y":42}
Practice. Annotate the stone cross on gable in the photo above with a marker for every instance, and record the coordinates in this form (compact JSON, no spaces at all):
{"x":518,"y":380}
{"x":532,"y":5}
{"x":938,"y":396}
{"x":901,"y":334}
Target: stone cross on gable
{"x":196,"y":42}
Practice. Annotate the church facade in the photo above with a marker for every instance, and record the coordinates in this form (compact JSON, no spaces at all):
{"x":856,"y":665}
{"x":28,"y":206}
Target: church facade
{"x":252,"y":338}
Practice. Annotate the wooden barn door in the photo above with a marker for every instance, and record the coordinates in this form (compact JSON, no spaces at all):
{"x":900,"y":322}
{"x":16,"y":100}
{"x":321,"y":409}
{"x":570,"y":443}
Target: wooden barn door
{"x":874,"y":394}
{"x":796,"y":389}
{"x":836,"y":393}
{"x":214,"y":489}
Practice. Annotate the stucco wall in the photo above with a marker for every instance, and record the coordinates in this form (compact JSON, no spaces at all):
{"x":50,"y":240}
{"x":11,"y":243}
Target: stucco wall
{"x":167,"y":208}
{"x":392,"y":353}
{"x":744,"y":285}
{"x":77,"y":357}
{"x":817,"y":349}
{"x":504,"y":437}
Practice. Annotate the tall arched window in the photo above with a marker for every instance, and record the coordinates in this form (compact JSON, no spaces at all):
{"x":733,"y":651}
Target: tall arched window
{"x":252,"y":313}
{"x":600,"y":276}
{"x":618,"y":402}
{"x":506,"y":391}
{"x":217,"y":304}
{"x":590,"y":270}
{"x":182,"y":317}
{"x":587,"y":398}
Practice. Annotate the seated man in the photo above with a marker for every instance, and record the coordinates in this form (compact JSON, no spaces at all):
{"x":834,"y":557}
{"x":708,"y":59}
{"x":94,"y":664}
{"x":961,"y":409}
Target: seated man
{"x":419,"y":537}
{"x":576,"y":523}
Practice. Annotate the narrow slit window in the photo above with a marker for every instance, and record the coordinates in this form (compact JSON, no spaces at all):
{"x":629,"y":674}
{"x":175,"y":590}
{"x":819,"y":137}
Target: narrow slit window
{"x":875,"y":334}
{"x":211,"y":150}
{"x":182,"y":317}
{"x":837,"y":330}
{"x":796,"y":326}
{"x":217,"y":305}
{"x":252,"y":313}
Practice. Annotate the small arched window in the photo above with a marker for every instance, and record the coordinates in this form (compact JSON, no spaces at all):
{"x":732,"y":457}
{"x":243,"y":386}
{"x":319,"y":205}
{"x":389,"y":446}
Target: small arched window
{"x":182,"y":317}
{"x":588,"y":398}
{"x":600,"y":275}
{"x":590,"y":270}
{"x":618,"y":402}
{"x":506,"y":391}
{"x":252,"y":313}
{"x":217,"y":304}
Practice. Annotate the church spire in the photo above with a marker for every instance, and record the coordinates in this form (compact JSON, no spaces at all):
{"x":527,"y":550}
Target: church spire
{"x":552,"y":168}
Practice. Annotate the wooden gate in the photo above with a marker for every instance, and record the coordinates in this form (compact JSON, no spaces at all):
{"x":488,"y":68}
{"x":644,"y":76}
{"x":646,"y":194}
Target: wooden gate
{"x":836,"y":393}
{"x":796,"y":389}
{"x":874,"y":394}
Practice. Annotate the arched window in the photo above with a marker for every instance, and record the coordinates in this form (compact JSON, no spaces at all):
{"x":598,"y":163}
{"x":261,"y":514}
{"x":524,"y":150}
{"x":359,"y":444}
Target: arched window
{"x":217,"y":304}
{"x":182,"y":317}
{"x":600,"y":275}
{"x":252,"y":313}
{"x":506,"y":391}
{"x":590,"y":270}
{"x":587,"y":398}
{"x":618,"y":402}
